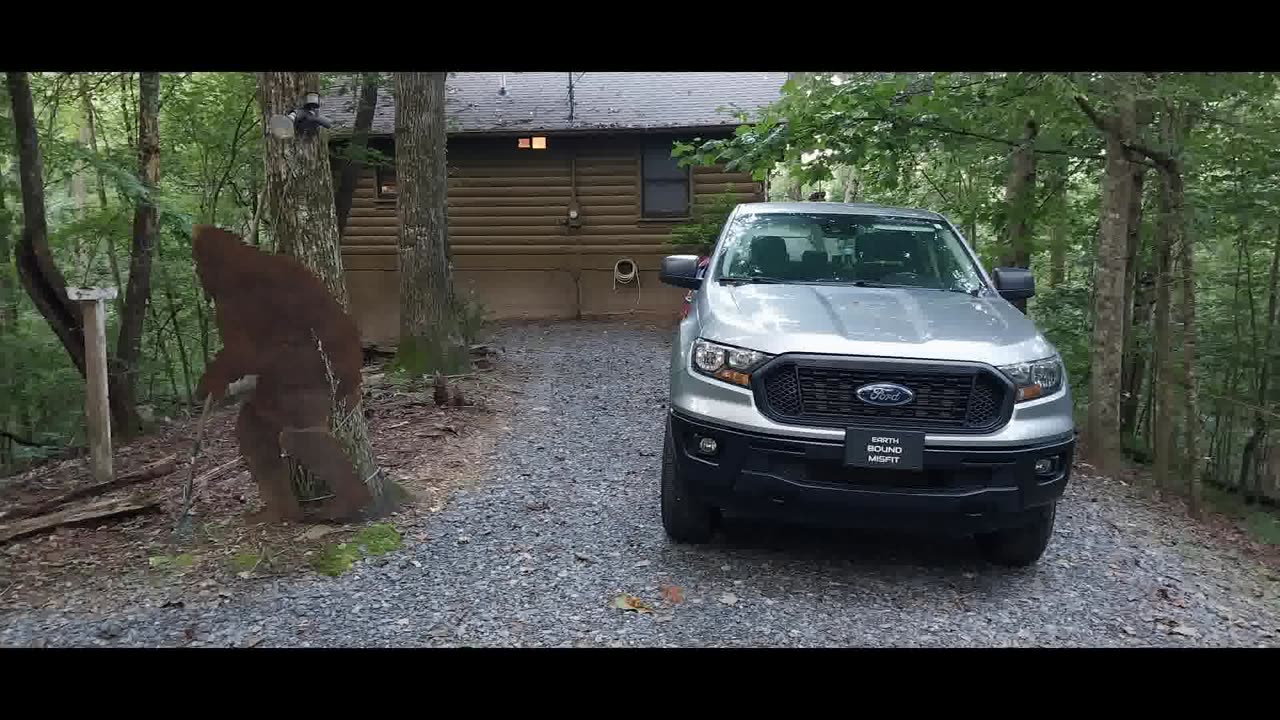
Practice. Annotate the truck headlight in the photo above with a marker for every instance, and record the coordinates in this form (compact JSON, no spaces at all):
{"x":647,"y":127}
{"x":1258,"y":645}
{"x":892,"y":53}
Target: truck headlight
{"x":1036,"y":378}
{"x":722,"y":362}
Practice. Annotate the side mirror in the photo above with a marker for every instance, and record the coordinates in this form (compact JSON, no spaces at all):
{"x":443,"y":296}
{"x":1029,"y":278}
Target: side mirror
{"x":680,"y":271}
{"x":1014,"y":284}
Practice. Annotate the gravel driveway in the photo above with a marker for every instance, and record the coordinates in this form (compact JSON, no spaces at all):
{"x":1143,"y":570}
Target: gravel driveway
{"x":569,"y":520}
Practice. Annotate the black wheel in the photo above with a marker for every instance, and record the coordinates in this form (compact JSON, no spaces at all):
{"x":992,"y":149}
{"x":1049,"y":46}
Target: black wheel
{"x":684,"y":518}
{"x":1020,"y":546}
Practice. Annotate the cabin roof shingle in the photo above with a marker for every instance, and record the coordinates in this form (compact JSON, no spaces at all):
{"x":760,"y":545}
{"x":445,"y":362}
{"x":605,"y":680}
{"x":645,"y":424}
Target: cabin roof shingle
{"x":539,"y":101}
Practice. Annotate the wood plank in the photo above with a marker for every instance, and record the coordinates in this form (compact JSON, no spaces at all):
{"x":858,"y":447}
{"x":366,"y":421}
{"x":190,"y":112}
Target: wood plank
{"x":700,"y":179}
{"x":92,"y":512}
{"x":509,"y":200}
{"x":498,"y":211}
{"x":530,"y":181}
{"x":560,"y":192}
{"x":718,"y":188}
{"x":97,"y":412}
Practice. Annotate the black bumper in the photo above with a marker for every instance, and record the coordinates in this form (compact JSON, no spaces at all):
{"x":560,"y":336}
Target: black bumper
{"x":959,"y":490}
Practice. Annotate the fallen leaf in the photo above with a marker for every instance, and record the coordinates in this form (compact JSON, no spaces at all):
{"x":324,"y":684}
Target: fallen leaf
{"x":631,"y":602}
{"x":671,"y":593}
{"x":729,"y":599}
{"x":583,"y":558}
{"x":665,"y":617}
{"x":1184,"y":631}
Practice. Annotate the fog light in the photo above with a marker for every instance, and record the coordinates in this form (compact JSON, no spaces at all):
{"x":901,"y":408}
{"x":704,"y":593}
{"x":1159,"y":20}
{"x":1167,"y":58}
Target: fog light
{"x":708,"y":446}
{"x":1046,"y":466}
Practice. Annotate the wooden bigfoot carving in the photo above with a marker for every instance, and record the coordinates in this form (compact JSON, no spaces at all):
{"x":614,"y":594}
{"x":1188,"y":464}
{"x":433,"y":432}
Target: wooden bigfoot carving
{"x":271,"y":311}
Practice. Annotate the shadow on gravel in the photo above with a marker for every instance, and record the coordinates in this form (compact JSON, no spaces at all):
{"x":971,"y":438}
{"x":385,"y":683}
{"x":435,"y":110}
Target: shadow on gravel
{"x":855,"y":550}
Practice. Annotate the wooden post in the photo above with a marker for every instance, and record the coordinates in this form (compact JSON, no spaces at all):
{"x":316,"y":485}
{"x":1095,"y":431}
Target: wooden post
{"x":97,"y":412}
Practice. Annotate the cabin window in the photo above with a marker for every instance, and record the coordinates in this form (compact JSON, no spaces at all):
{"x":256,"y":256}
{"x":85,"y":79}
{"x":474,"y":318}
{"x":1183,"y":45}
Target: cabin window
{"x":386,"y":179}
{"x":664,"y":189}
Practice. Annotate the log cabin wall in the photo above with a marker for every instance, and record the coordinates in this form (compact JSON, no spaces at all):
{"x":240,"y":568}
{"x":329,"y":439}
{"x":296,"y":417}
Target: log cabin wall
{"x":510,"y":237}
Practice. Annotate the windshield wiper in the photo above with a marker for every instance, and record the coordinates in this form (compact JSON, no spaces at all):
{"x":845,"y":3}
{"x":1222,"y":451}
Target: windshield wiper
{"x":754,"y":280}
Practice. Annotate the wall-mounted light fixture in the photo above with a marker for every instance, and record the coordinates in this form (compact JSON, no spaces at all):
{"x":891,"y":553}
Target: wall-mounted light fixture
{"x":537,"y":142}
{"x":302,"y":120}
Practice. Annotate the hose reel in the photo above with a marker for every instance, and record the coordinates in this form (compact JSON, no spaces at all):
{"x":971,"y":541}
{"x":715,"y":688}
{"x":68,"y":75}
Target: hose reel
{"x":626,"y":272}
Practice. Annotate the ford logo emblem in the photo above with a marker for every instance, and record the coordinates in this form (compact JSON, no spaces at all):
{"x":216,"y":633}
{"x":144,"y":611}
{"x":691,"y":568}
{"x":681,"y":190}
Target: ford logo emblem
{"x":885,"y":394}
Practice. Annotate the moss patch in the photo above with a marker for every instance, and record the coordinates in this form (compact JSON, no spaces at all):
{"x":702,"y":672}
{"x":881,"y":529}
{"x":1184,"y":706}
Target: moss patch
{"x":172,"y":563}
{"x":333,"y":560}
{"x":377,"y":539}
{"x":245,"y":561}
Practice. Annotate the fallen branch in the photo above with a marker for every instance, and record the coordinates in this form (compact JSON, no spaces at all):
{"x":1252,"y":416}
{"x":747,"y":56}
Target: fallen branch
{"x":25,"y":441}
{"x":159,"y":468}
{"x":195,"y":455}
{"x":101,"y":510}
{"x":200,"y":482}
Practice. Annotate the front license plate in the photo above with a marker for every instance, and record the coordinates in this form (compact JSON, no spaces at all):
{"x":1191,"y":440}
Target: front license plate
{"x":891,"y":449}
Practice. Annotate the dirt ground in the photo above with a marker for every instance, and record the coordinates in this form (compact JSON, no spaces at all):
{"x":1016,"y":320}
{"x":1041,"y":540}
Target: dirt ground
{"x":429,"y":450}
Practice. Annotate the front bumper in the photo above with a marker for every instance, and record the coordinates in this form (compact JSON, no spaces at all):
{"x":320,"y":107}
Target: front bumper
{"x":960,"y":489}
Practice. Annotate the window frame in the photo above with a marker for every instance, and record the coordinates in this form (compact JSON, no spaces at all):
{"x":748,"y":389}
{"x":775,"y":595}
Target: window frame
{"x":642,"y":214}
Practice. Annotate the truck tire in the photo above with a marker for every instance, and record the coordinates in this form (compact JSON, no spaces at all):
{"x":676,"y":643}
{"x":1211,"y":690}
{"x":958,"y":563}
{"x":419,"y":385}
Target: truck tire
{"x":1020,"y":546}
{"x":684,"y":518}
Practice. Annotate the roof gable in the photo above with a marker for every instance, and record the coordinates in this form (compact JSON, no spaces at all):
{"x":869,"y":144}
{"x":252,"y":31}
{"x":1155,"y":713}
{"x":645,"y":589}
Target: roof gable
{"x":539,"y":101}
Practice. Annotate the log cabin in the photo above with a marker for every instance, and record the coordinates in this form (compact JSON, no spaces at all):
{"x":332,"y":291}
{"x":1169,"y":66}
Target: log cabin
{"x":562,"y":189}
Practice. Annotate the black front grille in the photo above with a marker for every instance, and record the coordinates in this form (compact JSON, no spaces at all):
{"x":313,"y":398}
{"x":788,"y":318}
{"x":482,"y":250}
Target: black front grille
{"x":964,"y":399}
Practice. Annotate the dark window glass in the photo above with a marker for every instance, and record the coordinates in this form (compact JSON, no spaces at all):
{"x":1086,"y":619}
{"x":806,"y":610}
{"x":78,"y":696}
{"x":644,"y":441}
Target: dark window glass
{"x":665,"y":191}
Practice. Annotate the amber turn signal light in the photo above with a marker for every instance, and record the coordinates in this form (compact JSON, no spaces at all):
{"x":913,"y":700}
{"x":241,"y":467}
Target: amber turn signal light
{"x":733,"y":376}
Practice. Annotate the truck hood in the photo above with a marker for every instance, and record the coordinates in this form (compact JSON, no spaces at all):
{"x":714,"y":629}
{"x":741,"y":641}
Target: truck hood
{"x":885,"y":322}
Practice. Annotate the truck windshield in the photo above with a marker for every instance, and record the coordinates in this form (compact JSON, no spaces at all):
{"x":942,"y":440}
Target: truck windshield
{"x":846,"y":249}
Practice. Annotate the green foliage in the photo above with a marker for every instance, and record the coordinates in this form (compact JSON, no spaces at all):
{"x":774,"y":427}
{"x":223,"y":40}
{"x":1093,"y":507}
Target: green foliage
{"x":704,"y":229}
{"x":471,"y":315}
{"x":428,"y":354}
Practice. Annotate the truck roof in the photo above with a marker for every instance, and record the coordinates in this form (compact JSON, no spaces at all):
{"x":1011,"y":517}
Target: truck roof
{"x":834,"y":208}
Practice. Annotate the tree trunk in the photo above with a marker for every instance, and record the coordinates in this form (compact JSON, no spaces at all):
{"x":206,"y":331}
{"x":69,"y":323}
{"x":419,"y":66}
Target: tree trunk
{"x":36,"y":269}
{"x":355,"y":148}
{"x":145,"y":221}
{"x":1020,"y":201}
{"x":1162,"y":418}
{"x":429,"y":338}
{"x":1107,"y":341}
{"x":1191,"y":422}
{"x":8,"y":290}
{"x":8,"y":323}
{"x":1133,"y":307}
{"x":1253,"y":471}
{"x":1058,"y":251}
{"x":299,"y":185}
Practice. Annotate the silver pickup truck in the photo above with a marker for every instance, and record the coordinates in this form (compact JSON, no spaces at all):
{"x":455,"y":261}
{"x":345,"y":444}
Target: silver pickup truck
{"x":854,"y":365}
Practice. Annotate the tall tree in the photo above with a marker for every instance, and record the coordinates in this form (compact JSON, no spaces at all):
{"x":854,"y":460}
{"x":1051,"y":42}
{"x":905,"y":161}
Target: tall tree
{"x":1134,"y":361}
{"x":1252,"y":469}
{"x":299,"y":183}
{"x":1102,"y":435}
{"x":429,"y":337}
{"x":37,"y":270}
{"x":1020,"y":201}
{"x":355,"y":149}
{"x":145,"y":220}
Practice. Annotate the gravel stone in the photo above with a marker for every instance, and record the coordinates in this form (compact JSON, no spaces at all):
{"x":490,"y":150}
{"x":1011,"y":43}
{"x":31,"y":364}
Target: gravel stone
{"x":568,"y":520}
